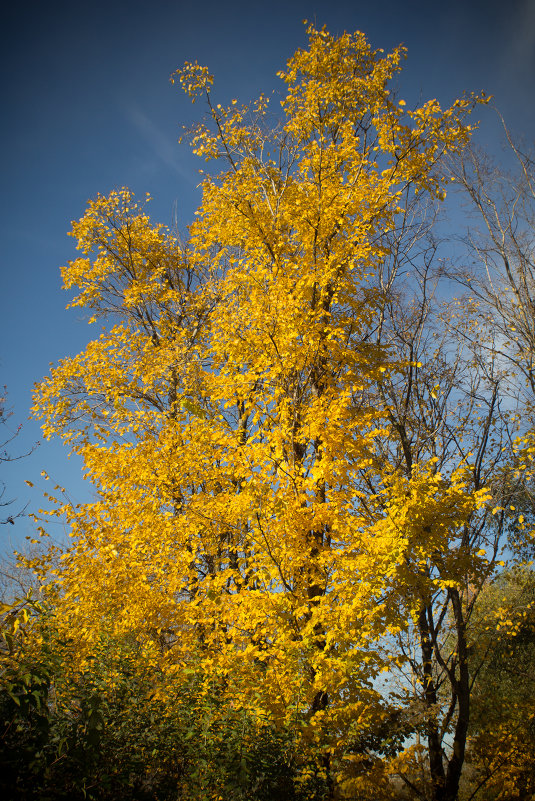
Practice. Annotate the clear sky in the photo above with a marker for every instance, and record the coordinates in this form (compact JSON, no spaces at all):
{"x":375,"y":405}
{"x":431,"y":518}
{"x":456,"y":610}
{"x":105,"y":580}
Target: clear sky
{"x":88,"y":107}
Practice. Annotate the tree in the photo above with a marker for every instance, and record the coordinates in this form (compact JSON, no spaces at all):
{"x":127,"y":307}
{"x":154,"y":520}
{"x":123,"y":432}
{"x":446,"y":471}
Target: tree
{"x":499,"y":301}
{"x":502,"y":744}
{"x":445,"y":411}
{"x":5,"y":456}
{"x":501,"y":280}
{"x":234,"y":413}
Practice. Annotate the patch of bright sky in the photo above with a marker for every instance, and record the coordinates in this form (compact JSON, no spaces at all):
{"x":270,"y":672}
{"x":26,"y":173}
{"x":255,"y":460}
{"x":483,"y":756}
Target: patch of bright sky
{"x":88,"y":107}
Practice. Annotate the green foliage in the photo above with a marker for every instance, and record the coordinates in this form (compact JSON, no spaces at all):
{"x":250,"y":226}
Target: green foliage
{"x":24,"y":695}
{"x":503,"y":706}
{"x":107,"y":732}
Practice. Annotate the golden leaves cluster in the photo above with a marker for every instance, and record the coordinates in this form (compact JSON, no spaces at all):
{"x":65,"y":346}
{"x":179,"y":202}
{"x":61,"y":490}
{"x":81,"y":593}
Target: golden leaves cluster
{"x":224,"y":416}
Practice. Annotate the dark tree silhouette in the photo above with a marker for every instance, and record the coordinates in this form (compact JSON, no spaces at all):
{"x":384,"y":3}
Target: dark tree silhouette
{"x":6,"y":456}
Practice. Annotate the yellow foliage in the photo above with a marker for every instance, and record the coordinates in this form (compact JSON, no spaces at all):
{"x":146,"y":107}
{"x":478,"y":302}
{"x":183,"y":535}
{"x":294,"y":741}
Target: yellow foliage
{"x":224,"y":417}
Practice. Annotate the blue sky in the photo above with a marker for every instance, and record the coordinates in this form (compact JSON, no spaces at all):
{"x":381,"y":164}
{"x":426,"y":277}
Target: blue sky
{"x":88,"y":107}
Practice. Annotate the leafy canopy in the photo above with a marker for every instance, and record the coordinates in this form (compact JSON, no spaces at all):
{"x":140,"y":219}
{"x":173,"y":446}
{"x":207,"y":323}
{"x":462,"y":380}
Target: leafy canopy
{"x":225,"y":413}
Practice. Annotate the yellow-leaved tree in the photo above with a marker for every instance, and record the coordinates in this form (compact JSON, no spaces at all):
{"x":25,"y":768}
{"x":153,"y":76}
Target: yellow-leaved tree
{"x":248,"y":522}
